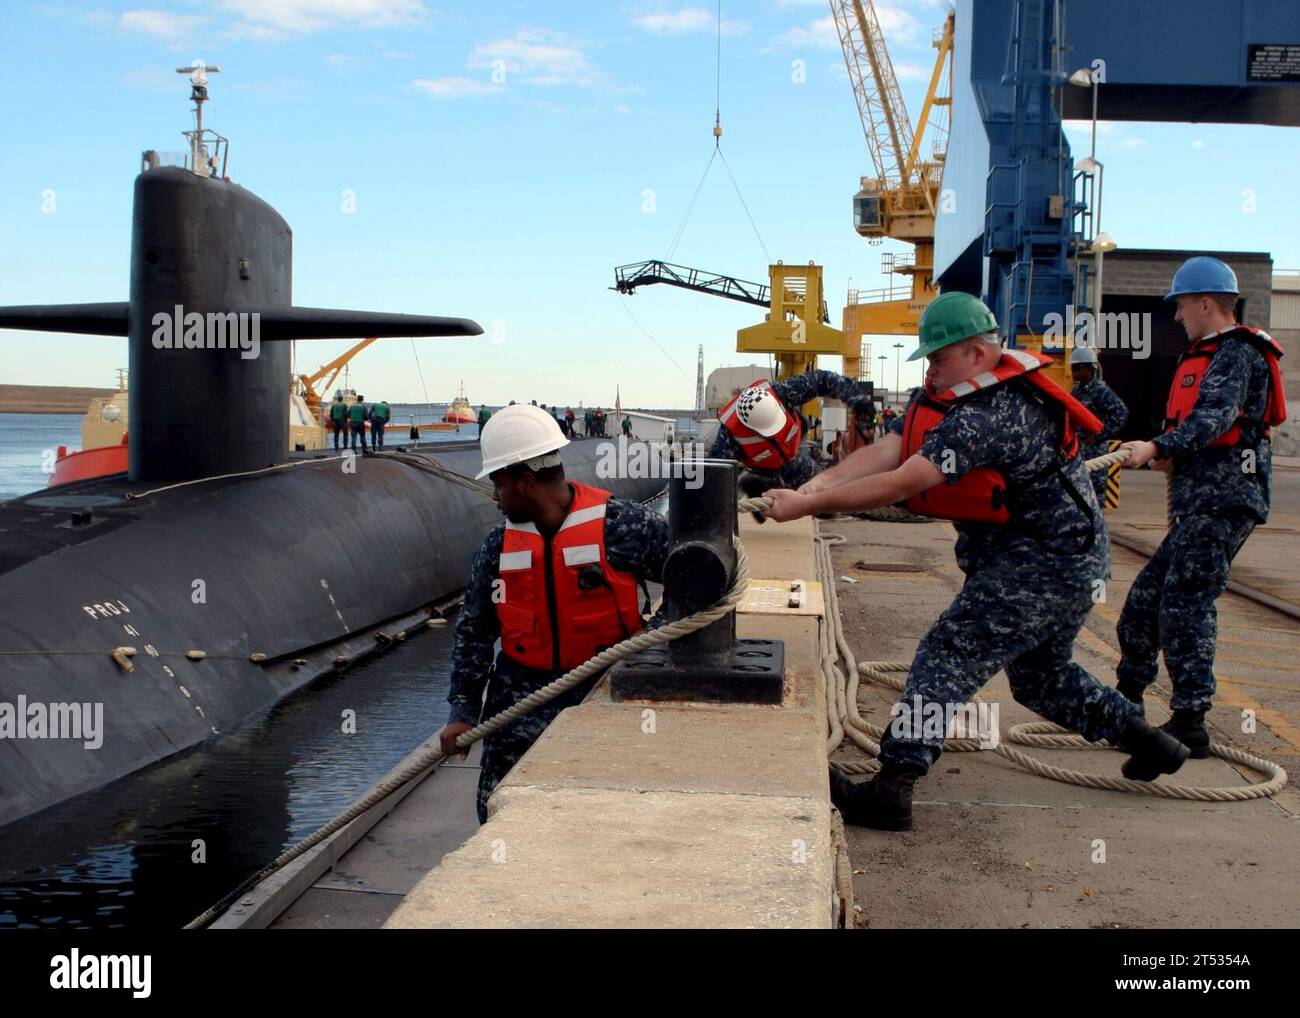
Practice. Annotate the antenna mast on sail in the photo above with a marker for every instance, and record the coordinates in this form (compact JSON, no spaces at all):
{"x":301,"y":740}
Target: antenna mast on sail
{"x":202,"y":162}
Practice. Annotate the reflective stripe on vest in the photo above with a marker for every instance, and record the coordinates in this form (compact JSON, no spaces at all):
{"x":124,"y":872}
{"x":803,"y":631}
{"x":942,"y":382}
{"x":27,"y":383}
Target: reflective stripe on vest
{"x":538,"y":589}
{"x":981,"y":494}
{"x":759,"y":450}
{"x":1190,"y":373}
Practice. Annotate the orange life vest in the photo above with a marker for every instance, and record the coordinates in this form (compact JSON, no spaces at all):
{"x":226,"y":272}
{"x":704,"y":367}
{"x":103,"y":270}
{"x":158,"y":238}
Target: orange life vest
{"x":981,"y":494}
{"x":1190,"y":372}
{"x":758,"y":451}
{"x":563,"y":602}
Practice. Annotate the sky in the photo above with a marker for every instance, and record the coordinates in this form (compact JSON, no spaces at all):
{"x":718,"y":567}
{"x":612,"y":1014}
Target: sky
{"x":497,"y":161}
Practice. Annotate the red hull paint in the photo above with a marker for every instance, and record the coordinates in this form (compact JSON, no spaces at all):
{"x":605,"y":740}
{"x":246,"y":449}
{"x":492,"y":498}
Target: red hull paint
{"x":81,"y":466}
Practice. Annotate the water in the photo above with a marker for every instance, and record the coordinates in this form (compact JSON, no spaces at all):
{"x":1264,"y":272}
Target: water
{"x":124,"y":856}
{"x":31,"y":442}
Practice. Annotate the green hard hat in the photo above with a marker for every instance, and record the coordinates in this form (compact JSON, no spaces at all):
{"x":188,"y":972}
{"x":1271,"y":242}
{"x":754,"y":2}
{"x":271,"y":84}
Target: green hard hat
{"x":950,"y":318}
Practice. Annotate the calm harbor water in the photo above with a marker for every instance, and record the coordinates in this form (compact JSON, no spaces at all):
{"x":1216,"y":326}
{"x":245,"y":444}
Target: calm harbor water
{"x":32,"y":441}
{"x":123,"y":856}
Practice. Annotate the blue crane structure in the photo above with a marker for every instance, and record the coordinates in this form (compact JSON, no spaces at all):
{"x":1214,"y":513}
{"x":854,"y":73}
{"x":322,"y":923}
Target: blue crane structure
{"x":1015,"y":213}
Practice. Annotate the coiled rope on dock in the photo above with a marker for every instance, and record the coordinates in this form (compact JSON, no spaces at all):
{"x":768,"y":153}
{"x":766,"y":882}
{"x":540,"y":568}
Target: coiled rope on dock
{"x":846,"y":721}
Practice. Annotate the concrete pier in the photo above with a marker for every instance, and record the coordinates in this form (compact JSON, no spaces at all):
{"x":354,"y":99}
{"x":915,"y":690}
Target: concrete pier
{"x":662,"y":815}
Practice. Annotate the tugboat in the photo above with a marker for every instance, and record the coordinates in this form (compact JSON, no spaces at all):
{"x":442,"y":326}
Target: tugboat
{"x":459,"y":412}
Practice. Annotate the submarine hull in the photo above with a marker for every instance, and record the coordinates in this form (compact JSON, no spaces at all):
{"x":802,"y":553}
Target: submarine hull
{"x":297,"y":565}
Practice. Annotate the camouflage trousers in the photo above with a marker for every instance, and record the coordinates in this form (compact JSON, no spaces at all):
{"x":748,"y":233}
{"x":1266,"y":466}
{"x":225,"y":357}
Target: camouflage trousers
{"x":1170,"y":606}
{"x":507,"y":685}
{"x":1015,"y":614}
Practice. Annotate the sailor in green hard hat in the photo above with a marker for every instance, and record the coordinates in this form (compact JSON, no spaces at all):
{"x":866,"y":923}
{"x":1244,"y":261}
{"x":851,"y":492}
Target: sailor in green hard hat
{"x":991,"y":443}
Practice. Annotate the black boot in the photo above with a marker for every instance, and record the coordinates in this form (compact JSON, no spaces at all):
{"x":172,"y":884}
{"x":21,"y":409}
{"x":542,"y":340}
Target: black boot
{"x":1132,"y":692}
{"x":884,"y":802}
{"x":1154,"y":752}
{"x":1188,"y":727}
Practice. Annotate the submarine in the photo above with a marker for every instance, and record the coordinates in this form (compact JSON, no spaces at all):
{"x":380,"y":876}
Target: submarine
{"x":146,"y":611}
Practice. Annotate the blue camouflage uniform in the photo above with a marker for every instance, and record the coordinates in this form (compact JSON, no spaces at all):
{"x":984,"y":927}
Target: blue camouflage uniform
{"x":1220,"y":494}
{"x":636,"y":541}
{"x":794,"y":392}
{"x":1108,"y":408}
{"x":1030,"y":583}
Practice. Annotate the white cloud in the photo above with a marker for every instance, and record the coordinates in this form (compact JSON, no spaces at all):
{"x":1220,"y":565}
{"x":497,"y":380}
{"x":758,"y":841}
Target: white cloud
{"x":821,"y":34}
{"x":687,"y":19}
{"x":1110,"y":135}
{"x":152,"y":76}
{"x":271,"y":18}
{"x":453,"y":87}
{"x":537,"y":57}
{"x":912,"y":72}
{"x":899,"y":27}
{"x":162,"y":24}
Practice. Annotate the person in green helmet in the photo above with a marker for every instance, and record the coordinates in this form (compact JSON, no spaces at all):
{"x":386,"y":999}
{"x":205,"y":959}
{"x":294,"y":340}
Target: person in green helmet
{"x":339,"y":420}
{"x":357,"y":418}
{"x":379,"y":414}
{"x":991,"y":443}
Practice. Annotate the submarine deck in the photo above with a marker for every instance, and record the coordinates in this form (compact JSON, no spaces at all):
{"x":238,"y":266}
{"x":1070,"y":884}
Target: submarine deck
{"x":41,"y":522}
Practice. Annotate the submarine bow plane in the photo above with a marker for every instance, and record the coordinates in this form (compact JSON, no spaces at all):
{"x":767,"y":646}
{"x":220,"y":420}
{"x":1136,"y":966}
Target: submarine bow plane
{"x":146,"y":611}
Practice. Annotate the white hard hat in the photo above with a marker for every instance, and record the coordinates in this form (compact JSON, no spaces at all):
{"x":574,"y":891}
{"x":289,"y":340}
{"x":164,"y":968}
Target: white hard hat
{"x":760,"y":411}
{"x":521,"y":433}
{"x":1083,"y":355}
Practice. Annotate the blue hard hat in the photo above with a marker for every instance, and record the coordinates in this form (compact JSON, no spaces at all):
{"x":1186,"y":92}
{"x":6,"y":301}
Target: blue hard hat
{"x":1203,"y":274}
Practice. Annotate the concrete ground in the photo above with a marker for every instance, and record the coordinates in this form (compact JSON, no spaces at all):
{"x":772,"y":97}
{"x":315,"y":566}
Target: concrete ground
{"x":995,"y":846}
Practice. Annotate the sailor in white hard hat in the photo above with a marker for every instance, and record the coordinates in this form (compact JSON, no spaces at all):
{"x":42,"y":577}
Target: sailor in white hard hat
{"x":763,"y":430}
{"x":557,"y":582}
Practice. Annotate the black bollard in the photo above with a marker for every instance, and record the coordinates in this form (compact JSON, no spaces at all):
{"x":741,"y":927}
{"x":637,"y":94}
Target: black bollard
{"x":709,"y":664}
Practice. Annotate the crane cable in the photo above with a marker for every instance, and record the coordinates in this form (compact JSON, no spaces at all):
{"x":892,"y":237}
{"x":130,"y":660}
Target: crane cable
{"x":717,"y":153}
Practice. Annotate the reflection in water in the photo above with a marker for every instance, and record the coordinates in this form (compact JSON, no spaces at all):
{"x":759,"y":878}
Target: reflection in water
{"x":156,"y":848}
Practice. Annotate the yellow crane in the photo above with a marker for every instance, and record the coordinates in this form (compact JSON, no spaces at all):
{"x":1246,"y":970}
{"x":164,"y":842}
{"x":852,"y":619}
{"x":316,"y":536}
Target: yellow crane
{"x":901,"y":200}
{"x":328,"y":372}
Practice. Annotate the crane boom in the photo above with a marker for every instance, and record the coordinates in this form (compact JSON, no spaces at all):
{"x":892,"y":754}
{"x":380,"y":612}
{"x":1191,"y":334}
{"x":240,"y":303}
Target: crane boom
{"x":880,"y":103}
{"x":628,"y":277}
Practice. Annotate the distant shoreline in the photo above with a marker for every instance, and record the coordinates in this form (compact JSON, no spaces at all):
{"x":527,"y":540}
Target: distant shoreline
{"x":48,"y":399}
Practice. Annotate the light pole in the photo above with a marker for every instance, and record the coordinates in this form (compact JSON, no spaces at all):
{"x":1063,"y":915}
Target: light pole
{"x":882,"y":376}
{"x":897,"y":388}
{"x":1084,"y":78}
{"x":1101,"y":241}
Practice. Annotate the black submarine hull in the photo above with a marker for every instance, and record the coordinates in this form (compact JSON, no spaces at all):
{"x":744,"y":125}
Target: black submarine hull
{"x":301,"y":564}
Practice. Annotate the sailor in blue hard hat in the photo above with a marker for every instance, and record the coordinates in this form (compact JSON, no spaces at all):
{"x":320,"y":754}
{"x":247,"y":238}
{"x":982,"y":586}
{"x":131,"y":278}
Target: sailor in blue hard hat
{"x":1225,"y":396}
